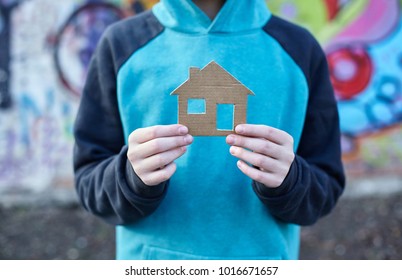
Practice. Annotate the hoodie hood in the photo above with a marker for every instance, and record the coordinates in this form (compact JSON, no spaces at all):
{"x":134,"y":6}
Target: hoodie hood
{"x":234,"y":16}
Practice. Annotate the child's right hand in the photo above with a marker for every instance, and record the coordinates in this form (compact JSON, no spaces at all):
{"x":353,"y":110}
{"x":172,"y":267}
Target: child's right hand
{"x":152,"y":151}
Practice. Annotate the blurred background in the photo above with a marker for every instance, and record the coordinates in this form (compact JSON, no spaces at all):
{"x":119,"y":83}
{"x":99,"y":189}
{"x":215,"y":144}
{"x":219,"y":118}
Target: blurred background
{"x":45,"y":48}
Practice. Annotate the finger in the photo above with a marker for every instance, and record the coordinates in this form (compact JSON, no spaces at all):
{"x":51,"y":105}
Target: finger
{"x":268,"y":179}
{"x":160,"y":145}
{"x":146,"y":134}
{"x":258,"y":145}
{"x":158,"y":161}
{"x":161,"y":175}
{"x":275,"y":135}
{"x":258,"y":160}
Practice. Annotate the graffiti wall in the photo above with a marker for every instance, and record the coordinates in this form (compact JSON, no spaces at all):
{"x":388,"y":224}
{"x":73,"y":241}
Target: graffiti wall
{"x":363,"y":43}
{"x":45,"y":49}
{"x":46,"y":45}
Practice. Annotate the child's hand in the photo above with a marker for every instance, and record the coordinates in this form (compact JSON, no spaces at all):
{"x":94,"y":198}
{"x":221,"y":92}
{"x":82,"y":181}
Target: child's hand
{"x":152,"y":151}
{"x":271,"y":153}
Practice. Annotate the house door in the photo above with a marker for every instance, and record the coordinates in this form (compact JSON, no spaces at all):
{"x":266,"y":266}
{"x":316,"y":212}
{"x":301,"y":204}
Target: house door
{"x":225,"y":116}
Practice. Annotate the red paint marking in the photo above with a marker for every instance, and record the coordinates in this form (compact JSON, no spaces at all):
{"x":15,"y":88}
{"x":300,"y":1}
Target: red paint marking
{"x":353,"y":83}
{"x":332,"y":8}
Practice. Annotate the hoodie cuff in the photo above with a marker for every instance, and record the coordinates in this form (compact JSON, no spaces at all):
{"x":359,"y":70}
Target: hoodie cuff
{"x":139,"y":187}
{"x":266,"y":192}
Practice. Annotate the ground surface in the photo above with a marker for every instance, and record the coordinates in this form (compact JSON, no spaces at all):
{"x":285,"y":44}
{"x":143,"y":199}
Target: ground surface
{"x":369,"y":228}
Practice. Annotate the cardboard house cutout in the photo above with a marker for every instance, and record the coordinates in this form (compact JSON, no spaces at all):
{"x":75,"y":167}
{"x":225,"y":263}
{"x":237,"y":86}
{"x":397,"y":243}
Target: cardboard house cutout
{"x":211,"y":102}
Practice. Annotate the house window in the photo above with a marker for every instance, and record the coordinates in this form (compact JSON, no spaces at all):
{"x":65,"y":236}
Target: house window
{"x":196,"y":106}
{"x":225,"y":116}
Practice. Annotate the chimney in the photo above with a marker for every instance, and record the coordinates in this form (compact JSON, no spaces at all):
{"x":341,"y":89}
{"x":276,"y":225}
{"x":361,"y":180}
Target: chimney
{"x":194,"y":71}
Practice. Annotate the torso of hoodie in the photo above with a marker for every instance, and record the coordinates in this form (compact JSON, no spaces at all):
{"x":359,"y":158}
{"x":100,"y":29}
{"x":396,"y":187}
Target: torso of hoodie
{"x":210,"y":210}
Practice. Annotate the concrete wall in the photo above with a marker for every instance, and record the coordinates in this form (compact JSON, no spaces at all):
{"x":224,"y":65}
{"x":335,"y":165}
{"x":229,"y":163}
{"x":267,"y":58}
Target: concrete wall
{"x":45,"y":47}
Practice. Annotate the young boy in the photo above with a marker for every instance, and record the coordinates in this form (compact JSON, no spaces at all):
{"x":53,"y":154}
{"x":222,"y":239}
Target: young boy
{"x":174,"y":196}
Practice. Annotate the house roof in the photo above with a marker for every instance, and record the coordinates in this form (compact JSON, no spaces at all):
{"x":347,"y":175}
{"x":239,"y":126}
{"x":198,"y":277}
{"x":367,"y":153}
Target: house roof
{"x":212,"y":75}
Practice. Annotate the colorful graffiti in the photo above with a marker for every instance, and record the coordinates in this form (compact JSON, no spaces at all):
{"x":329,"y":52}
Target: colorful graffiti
{"x":77,"y":40}
{"x":41,"y":77}
{"x":363,"y":43}
{"x":365,"y":70}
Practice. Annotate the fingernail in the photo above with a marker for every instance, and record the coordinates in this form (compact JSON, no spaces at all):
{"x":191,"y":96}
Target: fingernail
{"x":183,"y":130}
{"x":188,"y":139}
{"x":230,"y":139}
{"x":239,"y":129}
{"x":233,"y":150}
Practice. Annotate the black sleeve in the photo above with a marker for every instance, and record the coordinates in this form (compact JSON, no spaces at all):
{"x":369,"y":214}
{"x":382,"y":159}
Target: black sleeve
{"x":316,"y":177}
{"x":105,"y":181}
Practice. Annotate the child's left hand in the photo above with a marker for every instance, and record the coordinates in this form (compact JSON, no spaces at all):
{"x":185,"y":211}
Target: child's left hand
{"x":268,"y":149}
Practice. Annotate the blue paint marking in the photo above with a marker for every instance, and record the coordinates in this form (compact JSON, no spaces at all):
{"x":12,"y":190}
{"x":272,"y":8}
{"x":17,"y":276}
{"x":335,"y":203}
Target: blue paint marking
{"x":29,"y":111}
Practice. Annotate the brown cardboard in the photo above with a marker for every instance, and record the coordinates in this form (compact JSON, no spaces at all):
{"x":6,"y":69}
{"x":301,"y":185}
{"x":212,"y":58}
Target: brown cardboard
{"x":216,"y":86}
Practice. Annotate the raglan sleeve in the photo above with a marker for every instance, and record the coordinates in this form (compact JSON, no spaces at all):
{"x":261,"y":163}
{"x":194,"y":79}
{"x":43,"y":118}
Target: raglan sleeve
{"x":316,"y":177}
{"x":104,"y":179}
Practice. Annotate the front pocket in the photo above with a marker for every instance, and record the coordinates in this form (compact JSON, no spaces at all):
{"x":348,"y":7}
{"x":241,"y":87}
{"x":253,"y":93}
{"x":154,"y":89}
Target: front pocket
{"x":155,"y":253}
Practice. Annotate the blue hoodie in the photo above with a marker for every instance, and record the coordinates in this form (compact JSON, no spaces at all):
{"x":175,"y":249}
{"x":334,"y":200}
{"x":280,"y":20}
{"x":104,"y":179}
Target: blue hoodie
{"x":208,"y":209}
